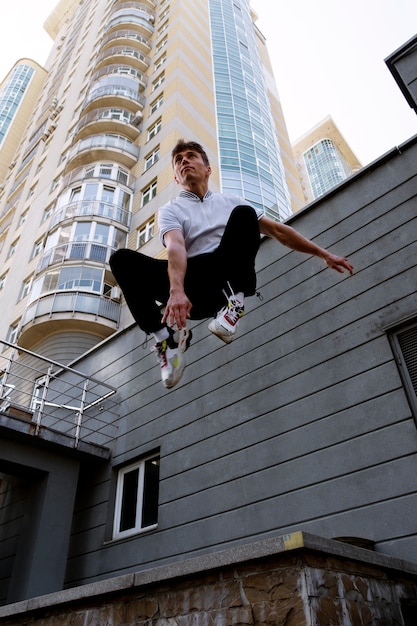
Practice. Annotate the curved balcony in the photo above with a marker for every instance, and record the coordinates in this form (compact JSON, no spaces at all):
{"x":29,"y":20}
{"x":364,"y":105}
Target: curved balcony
{"x":124,"y":54}
{"x":69,"y":310}
{"x":91,"y":208}
{"x":126,"y":37}
{"x":112,"y":120}
{"x":99,"y":147}
{"x":76,"y":251}
{"x":125,"y":71}
{"x":98,"y":171}
{"x":114,"y":96}
{"x":132,"y":20}
{"x":122,"y":5}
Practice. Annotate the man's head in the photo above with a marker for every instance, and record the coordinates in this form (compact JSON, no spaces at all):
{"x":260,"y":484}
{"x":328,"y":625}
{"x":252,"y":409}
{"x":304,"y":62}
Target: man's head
{"x":183,"y":146}
{"x":191,"y":166}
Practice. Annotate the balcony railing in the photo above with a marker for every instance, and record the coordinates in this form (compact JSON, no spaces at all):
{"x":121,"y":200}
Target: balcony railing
{"x":73,"y":302}
{"x":130,"y":19}
{"x":91,"y":208}
{"x":106,"y":117}
{"x":126,"y":34}
{"x":115,"y":91}
{"x":113,"y":172}
{"x":123,"y":51}
{"x":44,"y":398}
{"x":105,"y":142}
{"x":76,"y":251}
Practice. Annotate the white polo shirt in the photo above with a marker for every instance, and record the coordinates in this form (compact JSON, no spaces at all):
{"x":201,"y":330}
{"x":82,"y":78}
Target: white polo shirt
{"x":202,"y":222}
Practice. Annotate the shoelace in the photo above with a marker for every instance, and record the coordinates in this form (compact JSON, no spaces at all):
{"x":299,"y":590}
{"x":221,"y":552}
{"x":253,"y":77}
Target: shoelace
{"x":234,"y":310}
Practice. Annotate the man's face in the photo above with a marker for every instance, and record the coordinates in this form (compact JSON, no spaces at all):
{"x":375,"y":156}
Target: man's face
{"x":189,"y":168}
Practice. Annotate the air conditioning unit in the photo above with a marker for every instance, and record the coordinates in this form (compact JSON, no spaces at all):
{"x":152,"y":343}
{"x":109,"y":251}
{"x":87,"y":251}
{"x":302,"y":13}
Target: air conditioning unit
{"x":115,"y":293}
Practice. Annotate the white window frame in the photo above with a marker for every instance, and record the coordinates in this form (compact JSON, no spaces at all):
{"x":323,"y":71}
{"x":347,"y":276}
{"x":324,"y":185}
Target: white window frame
{"x":149,"y":193}
{"x":154,"y":129}
{"x":145,"y":233}
{"x":137,"y":528}
{"x":156,"y":104}
{"x":152,"y":158}
{"x":158,"y":81}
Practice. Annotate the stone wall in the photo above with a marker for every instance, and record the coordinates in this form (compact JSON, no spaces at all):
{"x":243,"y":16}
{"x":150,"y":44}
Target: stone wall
{"x":308,"y":582}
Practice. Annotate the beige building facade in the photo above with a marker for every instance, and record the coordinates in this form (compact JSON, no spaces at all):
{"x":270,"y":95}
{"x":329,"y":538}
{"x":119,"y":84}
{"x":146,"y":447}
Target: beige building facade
{"x":324,"y":159}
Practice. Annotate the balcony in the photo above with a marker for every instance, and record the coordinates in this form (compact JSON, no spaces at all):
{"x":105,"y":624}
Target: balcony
{"x":114,"y":96}
{"x":148,"y":6}
{"x":126,"y":37}
{"x":54,"y":402}
{"x":118,"y":74}
{"x":65,"y":311}
{"x":76,"y":251}
{"x":123,"y":54}
{"x":107,"y":172}
{"x":133,"y":20}
{"x":91,"y":208}
{"x":108,"y":147}
{"x":112,"y":120}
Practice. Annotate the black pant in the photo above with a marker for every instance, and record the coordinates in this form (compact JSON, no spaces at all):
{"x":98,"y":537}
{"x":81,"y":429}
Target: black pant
{"x":145,"y":284}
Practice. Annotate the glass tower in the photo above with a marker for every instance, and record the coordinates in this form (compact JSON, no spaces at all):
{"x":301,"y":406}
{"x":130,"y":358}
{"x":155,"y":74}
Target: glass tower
{"x":11,"y":95}
{"x":326,"y":166}
{"x":249,"y":153}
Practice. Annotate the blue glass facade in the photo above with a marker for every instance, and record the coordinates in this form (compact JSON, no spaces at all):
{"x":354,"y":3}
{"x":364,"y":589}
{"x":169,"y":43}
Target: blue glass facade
{"x":11,"y":95}
{"x":325,"y":166}
{"x":250,"y":161}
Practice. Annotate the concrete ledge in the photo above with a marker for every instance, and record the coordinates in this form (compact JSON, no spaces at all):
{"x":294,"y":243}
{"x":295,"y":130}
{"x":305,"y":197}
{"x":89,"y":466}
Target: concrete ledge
{"x":203,"y":564}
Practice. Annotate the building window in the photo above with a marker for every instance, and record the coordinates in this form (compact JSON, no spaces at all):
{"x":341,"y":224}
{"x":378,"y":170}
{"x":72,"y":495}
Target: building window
{"x":148,"y":193}
{"x":161,"y":44}
{"x":404,"y":343}
{"x":2,"y":280}
{"x":23,"y":217}
{"x":156,"y":104}
{"x":137,"y":494}
{"x":152,"y":158}
{"x":37,"y":248}
{"x":158,"y":81}
{"x":154,"y":129}
{"x":145,"y":233}
{"x":159,"y":63}
{"x":12,"y":249}
{"x":25,"y":288}
{"x":12,"y":334}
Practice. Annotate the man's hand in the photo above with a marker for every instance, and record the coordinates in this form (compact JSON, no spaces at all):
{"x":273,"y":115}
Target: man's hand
{"x":177,"y":309}
{"x":338,"y":263}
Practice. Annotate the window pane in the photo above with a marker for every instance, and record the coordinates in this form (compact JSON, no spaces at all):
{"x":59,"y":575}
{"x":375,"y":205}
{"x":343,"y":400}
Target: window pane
{"x":129,"y":500}
{"x":150,"y":492}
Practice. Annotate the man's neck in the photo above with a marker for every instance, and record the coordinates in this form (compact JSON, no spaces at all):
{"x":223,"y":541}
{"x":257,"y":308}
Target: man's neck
{"x":198,"y":190}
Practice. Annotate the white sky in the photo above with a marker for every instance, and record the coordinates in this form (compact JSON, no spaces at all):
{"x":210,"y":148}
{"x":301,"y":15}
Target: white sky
{"x":327,"y":55}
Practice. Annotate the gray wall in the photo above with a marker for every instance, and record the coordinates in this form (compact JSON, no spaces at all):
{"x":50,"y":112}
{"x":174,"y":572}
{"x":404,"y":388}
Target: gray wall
{"x":302,"y":423}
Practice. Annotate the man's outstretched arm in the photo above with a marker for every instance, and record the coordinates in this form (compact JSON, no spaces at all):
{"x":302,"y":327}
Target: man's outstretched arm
{"x":289,"y":237}
{"x":178,"y":306}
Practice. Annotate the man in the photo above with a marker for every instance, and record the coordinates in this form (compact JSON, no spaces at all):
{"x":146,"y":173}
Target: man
{"x":211,"y":241}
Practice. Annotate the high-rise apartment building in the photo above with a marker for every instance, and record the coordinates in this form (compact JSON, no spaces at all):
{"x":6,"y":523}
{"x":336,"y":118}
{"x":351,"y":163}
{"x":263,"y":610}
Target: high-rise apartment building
{"x":125,"y":80}
{"x":324,"y":159}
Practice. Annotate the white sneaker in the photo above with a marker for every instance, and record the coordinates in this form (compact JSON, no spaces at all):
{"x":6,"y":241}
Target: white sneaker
{"x":170,"y":354}
{"x":224,"y":325}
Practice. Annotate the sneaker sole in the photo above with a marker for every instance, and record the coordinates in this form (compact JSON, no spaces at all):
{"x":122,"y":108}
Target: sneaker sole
{"x":218,"y":332}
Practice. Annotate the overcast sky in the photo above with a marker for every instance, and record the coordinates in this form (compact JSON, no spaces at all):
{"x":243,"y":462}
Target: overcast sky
{"x":327,"y":55}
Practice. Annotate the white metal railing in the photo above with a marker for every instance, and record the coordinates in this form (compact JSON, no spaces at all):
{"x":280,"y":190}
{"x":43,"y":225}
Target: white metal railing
{"x":72,"y":302}
{"x":93,"y":208}
{"x":49,"y":395}
{"x":105,"y":142}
